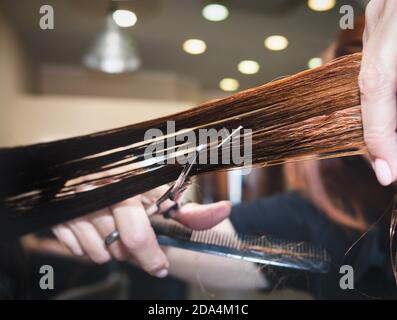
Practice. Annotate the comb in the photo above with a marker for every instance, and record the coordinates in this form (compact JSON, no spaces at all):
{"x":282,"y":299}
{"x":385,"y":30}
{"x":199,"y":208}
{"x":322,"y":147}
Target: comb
{"x":258,"y":249}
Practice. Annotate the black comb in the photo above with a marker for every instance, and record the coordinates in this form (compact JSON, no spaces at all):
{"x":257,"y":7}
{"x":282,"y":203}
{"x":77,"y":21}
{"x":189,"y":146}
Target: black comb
{"x":258,"y":249}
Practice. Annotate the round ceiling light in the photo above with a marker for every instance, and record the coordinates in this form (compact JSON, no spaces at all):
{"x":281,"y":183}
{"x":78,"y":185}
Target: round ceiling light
{"x":248,"y":67}
{"x":194,"y":46}
{"x":321,"y":5}
{"x":229,"y":84}
{"x":215,"y":12}
{"x":276,"y":43}
{"x":315,"y":62}
{"x":124,"y":18}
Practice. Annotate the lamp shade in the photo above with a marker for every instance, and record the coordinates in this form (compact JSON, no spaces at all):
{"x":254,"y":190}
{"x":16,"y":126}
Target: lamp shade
{"x":113,"y":51}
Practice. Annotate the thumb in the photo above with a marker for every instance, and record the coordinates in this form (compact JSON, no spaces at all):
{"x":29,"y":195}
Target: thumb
{"x":203,"y":216}
{"x":379,"y":113}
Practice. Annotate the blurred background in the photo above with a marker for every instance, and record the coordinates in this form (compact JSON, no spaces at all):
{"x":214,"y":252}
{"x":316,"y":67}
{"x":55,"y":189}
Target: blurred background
{"x":107,"y":64}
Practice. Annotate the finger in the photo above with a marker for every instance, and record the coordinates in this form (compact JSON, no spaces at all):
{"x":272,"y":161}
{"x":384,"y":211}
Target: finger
{"x":104,"y":223}
{"x":67,"y":237}
{"x":203,"y":216}
{"x":151,"y":196}
{"x":372,"y":14}
{"x":378,"y":100}
{"x":54,"y":247}
{"x":90,"y":240}
{"x":139,"y":238}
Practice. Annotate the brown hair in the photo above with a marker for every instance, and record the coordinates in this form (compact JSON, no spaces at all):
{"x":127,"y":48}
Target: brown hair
{"x":314,"y":113}
{"x":346,"y":190}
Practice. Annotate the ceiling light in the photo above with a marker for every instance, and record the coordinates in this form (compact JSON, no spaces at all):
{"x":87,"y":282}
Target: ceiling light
{"x":113,"y":51}
{"x":194,"y":46}
{"x":315,"y":62}
{"x":229,"y":84}
{"x":276,"y":43}
{"x":321,"y":5}
{"x":215,"y":12}
{"x":248,"y":67}
{"x":124,"y":18}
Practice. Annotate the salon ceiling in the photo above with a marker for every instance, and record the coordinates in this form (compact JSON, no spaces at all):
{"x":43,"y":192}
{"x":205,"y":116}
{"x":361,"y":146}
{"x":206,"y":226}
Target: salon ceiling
{"x":164,"y":24}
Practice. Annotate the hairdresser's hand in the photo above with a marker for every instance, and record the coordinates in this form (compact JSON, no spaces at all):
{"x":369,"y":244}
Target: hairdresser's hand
{"x":378,"y":84}
{"x":85,"y":236}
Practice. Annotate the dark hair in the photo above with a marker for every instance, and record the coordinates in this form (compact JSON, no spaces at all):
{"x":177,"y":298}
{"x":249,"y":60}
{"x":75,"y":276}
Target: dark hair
{"x":313,"y":113}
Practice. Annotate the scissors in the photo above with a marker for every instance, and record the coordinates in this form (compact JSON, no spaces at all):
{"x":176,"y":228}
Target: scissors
{"x":173,"y":194}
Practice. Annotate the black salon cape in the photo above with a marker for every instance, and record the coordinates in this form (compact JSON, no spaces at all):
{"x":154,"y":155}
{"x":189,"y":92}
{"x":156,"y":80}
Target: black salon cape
{"x":290,"y":216}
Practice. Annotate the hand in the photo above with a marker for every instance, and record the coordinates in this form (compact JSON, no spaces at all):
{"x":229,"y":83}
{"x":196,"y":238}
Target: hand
{"x":85,"y":236}
{"x":378,"y":85}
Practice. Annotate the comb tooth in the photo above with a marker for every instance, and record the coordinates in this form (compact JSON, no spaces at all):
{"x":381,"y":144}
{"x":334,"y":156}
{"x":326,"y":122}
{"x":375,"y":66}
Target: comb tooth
{"x":230,"y":241}
{"x":261,"y":241}
{"x":223,"y":240}
{"x":196,"y":236}
{"x":227,"y":240}
{"x":210,"y":237}
{"x":248,"y":240}
{"x":237,"y":242}
{"x":206,"y":237}
{"x":244,"y":240}
{"x":258,"y":241}
{"x":193,"y":238}
{"x":233,"y":239}
{"x":296,"y":248}
{"x":202,"y":237}
{"x":280,"y":244}
{"x":218,"y":238}
{"x":253,"y":240}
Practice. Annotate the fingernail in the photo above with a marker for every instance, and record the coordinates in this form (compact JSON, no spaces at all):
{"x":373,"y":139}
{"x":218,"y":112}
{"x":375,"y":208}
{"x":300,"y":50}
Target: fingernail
{"x":162,"y":273}
{"x":383,"y":172}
